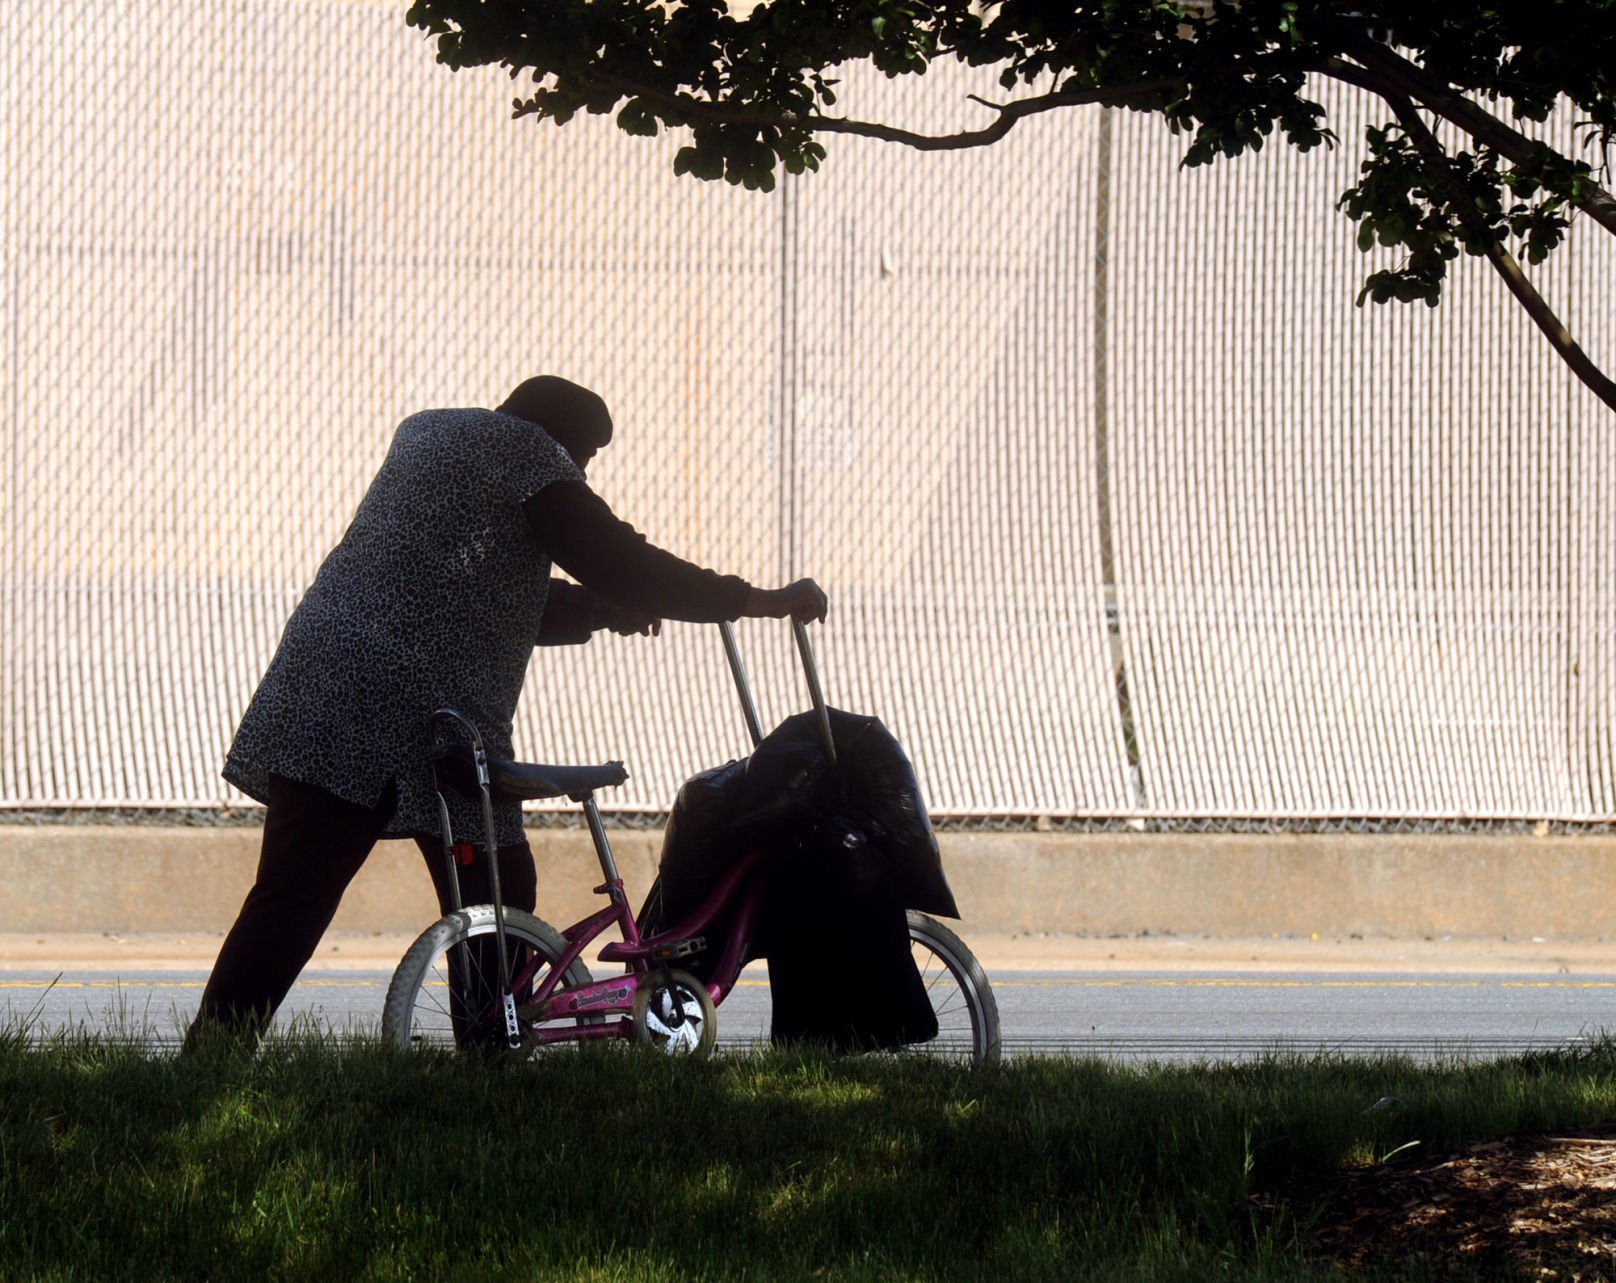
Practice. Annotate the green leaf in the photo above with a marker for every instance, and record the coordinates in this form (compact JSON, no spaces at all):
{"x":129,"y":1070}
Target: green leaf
{"x":638,"y":118}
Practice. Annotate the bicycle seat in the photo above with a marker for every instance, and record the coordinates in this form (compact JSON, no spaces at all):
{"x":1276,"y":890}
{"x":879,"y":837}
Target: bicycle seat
{"x":522,"y":781}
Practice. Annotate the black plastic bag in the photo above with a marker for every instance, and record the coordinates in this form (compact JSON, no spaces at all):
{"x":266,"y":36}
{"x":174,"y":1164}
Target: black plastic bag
{"x":699,"y":845}
{"x":790,"y":784}
{"x":851,"y":848}
{"x":841,"y":974}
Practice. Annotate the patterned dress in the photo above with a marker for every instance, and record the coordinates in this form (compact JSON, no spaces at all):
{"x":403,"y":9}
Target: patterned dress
{"x":434,"y":596}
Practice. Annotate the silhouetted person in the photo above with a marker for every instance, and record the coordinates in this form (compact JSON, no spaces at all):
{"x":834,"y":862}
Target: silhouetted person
{"x":435,"y":596}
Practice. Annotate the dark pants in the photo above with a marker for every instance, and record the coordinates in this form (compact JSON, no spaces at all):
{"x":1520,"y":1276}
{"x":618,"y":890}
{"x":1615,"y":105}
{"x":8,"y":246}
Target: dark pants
{"x":313,"y":846}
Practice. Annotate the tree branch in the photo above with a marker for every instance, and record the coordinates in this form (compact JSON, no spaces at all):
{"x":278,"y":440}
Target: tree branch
{"x":1411,"y":81}
{"x":1353,"y":74}
{"x":1008,"y":114}
{"x":1525,"y":293}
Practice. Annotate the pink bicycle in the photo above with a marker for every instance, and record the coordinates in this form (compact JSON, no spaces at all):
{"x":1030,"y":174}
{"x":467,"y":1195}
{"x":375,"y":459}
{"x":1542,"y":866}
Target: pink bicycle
{"x":490,"y":976}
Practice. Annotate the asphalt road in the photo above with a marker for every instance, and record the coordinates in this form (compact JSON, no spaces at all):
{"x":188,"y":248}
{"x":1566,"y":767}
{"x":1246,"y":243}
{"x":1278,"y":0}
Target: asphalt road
{"x":1129,"y":1016}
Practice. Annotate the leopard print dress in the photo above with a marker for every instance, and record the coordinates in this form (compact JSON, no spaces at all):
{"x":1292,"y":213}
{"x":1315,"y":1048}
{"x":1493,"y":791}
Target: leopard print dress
{"x":433,"y":597}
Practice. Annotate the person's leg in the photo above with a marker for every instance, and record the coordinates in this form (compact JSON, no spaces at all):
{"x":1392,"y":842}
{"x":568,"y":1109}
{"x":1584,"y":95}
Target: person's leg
{"x":518,"y":879}
{"x":313,"y":845}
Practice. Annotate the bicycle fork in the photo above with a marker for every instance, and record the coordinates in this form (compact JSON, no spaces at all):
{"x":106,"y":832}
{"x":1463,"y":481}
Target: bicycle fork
{"x":513,"y":1027}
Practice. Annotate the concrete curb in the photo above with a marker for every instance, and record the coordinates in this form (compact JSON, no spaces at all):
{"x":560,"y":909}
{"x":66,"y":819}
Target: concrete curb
{"x":89,"y":879}
{"x":77,"y":954}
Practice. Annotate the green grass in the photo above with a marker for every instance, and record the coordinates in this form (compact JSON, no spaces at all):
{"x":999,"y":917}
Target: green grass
{"x":312,"y":1161}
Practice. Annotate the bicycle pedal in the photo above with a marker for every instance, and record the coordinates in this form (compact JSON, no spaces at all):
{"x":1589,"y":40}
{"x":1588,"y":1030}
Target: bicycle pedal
{"x":680,"y":948}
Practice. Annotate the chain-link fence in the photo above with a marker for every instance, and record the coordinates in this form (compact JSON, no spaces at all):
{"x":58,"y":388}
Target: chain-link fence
{"x":1127,"y":514}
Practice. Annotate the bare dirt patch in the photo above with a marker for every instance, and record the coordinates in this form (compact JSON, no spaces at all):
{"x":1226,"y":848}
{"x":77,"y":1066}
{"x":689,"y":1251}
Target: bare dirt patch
{"x":1532,"y":1204}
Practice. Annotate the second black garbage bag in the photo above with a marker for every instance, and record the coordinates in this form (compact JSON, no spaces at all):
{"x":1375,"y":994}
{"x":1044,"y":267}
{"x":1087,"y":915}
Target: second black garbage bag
{"x":850,"y":849}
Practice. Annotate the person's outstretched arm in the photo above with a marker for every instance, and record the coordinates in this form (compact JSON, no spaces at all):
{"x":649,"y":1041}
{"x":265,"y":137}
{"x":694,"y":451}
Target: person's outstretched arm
{"x":582,"y":535}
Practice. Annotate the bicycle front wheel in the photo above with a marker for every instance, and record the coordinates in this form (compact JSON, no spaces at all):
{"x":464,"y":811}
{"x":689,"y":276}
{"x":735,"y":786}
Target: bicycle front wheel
{"x":961,"y":998}
{"x":445,"y":993}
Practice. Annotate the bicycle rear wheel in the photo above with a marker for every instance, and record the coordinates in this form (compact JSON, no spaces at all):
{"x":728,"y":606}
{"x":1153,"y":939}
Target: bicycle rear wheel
{"x":445,"y":992}
{"x":961,"y":998}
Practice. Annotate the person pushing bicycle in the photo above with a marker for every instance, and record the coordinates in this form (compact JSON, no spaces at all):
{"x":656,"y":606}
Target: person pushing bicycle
{"x":435,"y":596}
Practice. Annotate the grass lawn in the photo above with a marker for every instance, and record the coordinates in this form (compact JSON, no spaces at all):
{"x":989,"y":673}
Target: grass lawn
{"x":316,"y":1161}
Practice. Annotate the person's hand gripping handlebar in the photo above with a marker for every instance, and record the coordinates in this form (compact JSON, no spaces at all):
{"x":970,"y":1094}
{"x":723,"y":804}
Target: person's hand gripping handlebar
{"x":803,"y":600}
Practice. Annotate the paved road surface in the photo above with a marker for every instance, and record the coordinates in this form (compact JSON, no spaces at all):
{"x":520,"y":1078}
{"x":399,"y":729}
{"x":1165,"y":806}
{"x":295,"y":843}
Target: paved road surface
{"x":1190,"y":1015}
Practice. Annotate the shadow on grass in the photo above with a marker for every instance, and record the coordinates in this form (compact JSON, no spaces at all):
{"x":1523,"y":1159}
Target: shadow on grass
{"x":319,"y":1160}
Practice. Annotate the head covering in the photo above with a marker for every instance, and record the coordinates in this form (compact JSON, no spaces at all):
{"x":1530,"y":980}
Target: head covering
{"x":573,"y":415}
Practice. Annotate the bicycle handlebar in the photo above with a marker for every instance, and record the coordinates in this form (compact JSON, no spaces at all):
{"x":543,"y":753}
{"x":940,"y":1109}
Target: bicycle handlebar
{"x":738,"y":672}
{"x":805,"y":651}
{"x":811,"y":671}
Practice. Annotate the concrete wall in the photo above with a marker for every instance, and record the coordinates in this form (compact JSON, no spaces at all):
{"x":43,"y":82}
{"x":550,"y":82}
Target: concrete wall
{"x":137,"y":879}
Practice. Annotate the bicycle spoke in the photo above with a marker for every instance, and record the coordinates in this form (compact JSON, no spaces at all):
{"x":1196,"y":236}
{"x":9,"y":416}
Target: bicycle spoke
{"x":446,"y":991}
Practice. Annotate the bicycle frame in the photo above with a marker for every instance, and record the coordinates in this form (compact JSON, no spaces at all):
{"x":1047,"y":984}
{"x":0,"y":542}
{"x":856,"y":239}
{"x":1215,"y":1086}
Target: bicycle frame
{"x":584,"y":1010}
{"x":741,"y":886}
